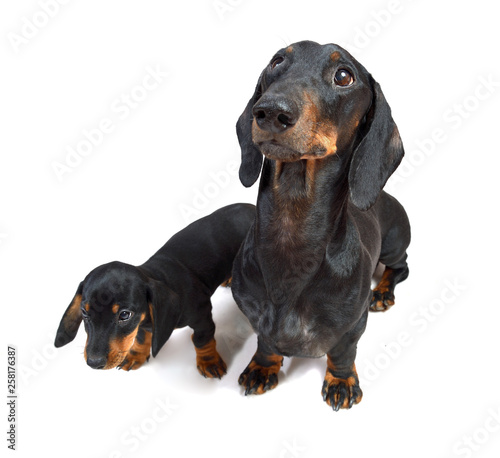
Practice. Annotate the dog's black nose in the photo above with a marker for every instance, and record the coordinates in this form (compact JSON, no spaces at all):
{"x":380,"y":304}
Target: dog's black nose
{"x":96,"y":362}
{"x":275,"y":114}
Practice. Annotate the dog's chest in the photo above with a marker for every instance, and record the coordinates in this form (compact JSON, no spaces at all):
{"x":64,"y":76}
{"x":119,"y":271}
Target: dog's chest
{"x":307,"y":325}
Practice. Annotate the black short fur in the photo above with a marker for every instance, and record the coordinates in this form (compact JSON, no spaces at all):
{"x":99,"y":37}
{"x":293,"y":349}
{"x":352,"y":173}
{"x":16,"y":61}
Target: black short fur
{"x":175,"y":285}
{"x":304,"y":271}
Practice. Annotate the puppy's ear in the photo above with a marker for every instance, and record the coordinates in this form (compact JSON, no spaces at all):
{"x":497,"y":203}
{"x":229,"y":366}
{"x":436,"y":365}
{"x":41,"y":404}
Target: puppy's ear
{"x":71,"y":320}
{"x":251,"y":157}
{"x":164,"y":306}
{"x":377,"y":155}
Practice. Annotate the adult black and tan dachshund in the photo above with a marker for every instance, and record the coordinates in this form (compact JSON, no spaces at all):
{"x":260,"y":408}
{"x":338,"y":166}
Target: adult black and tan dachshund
{"x":130,"y":311}
{"x":303,"y":274}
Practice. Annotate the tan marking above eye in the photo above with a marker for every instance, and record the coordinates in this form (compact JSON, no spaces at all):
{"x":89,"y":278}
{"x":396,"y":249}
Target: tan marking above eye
{"x":335,"y":56}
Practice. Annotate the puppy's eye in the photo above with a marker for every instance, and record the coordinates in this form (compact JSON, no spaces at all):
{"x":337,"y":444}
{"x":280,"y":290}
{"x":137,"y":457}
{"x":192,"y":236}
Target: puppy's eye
{"x":85,"y":315}
{"x":276,"y":61}
{"x":124,"y":315}
{"x":343,"y":78}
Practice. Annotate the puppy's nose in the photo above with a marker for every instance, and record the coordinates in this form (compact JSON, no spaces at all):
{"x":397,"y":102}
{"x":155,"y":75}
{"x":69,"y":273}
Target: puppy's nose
{"x":275,"y":114}
{"x":96,"y":362}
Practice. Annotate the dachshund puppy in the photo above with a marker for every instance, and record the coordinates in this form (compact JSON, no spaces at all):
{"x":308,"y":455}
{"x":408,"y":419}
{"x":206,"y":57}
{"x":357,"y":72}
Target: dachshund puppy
{"x":131,"y":311}
{"x":303,"y":274}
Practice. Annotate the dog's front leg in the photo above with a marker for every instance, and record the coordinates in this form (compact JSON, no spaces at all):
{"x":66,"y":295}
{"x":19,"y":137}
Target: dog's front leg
{"x":261,"y":374}
{"x":341,"y":388}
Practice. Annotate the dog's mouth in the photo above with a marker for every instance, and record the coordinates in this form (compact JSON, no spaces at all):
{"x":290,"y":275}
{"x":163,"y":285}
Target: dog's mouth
{"x":276,"y":151}
{"x":300,"y":142}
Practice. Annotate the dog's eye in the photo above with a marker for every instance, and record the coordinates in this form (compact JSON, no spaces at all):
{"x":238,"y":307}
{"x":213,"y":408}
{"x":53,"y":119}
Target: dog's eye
{"x":343,"y":78}
{"x":85,"y":315}
{"x":125,"y":315}
{"x":276,"y":61}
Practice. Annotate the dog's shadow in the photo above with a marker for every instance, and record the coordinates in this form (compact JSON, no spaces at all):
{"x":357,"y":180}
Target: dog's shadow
{"x":236,"y":343}
{"x":176,"y":361}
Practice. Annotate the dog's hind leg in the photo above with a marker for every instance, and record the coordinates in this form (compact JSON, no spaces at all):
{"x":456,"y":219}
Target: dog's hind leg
{"x":396,"y":235}
{"x":383,"y":294}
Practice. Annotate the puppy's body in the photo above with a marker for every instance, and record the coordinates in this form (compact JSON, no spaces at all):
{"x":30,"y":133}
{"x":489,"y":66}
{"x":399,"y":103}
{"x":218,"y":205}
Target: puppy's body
{"x":131,"y":311}
{"x":303,"y":274}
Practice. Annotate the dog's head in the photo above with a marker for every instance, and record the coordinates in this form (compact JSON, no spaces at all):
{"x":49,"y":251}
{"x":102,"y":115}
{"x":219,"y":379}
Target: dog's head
{"x":113,"y":301}
{"x":312,"y":102}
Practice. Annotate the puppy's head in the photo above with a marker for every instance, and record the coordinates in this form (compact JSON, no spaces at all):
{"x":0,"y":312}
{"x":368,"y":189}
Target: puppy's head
{"x":114,"y":301}
{"x":316,"y":101}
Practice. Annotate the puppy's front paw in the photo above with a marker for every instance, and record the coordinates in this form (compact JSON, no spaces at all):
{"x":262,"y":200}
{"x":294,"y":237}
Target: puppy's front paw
{"x":133,"y":361}
{"x":208,"y":361}
{"x":213,"y":368}
{"x":138,"y":353}
{"x":261,"y":374}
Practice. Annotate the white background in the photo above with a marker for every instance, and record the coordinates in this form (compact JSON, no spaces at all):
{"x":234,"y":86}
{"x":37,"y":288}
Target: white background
{"x":428,"y":367}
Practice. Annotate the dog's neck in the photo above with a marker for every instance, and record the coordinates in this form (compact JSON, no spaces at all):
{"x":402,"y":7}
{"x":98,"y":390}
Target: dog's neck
{"x":301,"y":210}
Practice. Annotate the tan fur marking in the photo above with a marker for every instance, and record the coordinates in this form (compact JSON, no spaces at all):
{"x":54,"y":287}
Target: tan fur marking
{"x":385,"y":281}
{"x":118,"y":348}
{"x":335,"y":56}
{"x":310,"y":134}
{"x":321,"y":134}
{"x":350,"y":382}
{"x":310,"y":175}
{"x":278,"y":167}
{"x":151,"y":315}
{"x":115,"y":308}
{"x":208,"y":361}
{"x":74,"y":313}
{"x":138,"y":353}
{"x":275,"y":361}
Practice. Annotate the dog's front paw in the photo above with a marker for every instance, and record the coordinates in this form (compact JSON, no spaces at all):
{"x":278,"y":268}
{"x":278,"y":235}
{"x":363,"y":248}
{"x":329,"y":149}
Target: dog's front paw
{"x":261,"y":374}
{"x":341,"y":393}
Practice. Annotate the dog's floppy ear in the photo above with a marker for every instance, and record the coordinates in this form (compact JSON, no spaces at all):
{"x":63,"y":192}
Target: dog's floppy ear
{"x":164,"y":306}
{"x":377,"y":155}
{"x":251,"y":157}
{"x":71,"y":320}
